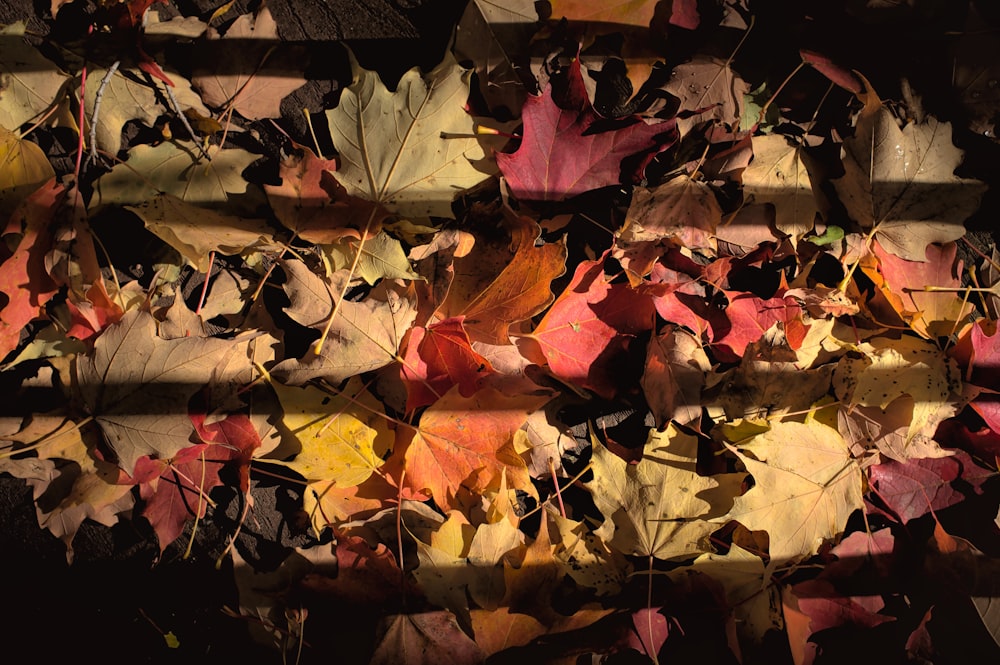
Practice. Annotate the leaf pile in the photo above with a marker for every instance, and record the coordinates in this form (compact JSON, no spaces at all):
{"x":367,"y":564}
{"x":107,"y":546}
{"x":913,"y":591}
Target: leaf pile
{"x":560,"y":355}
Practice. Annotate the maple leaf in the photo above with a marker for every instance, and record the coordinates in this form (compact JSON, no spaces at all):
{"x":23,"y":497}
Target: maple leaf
{"x":91,"y":316}
{"x":502,"y":628}
{"x":681,"y":210}
{"x":365,"y":335}
{"x":491,"y":34}
{"x":438,"y":357}
{"x":806,"y":485}
{"x":977,"y":351}
{"x":429,"y":638}
{"x":195,"y":232}
{"x":779,"y":176}
{"x":342,"y":438}
{"x":748,"y":318}
{"x":659,"y":507}
{"x":366,"y":576}
{"x":675,"y":372}
{"x":564,"y":151}
{"x":137,"y":385}
{"x":915,"y":487}
{"x":30,"y":82}
{"x":174,"y":167}
{"x":382,"y":257}
{"x":23,"y":169}
{"x":407,"y":165}
{"x":901,"y":181}
{"x":465,"y":442}
{"x":532,"y":583}
{"x":708,"y":88}
{"x":256,"y":78}
{"x":23,"y":277}
{"x":589,"y":326}
{"x":931,"y":314}
{"x":522,"y":290}
{"x":311,"y":202}
{"x":127,"y":96}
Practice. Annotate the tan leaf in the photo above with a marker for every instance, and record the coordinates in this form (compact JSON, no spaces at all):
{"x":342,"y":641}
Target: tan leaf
{"x":364,"y":336}
{"x":777,"y":175}
{"x":659,"y":507}
{"x":127,"y":95}
{"x":176,"y":168}
{"x":253,"y":79}
{"x":137,"y":385}
{"x":382,"y":257}
{"x":708,"y":85}
{"x":676,"y":365}
{"x":405,"y":164}
{"x":902,"y":182}
{"x":29,"y":82}
{"x":806,"y":485}
{"x":195,"y":232}
{"x":681,"y":210}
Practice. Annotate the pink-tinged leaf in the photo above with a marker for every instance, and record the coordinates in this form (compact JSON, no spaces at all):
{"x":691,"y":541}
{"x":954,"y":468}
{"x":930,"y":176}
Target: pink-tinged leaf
{"x":588,"y":329}
{"x":565,"y":151}
{"x":428,"y":638}
{"x":819,"y":600}
{"x":983,"y":443}
{"x":366,"y":576}
{"x":176,"y":490}
{"x":438,"y":357}
{"x":684,"y":14}
{"x":679,"y":297}
{"x":89,"y":317}
{"x":915,"y":488}
{"x":978,"y":353}
{"x":749,"y":317}
{"x":649,"y":631}
{"x":862,"y":549}
{"x":837,"y":74}
{"x":23,"y":278}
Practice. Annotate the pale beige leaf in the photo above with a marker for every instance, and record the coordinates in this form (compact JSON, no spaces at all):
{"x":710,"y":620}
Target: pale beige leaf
{"x":659,"y":507}
{"x":587,"y":558}
{"x":129,"y":94}
{"x":777,"y":175}
{"x":890,"y":369}
{"x":903,"y":182}
{"x":137,"y":385}
{"x":194,"y":231}
{"x":364,"y":336}
{"x":175,"y":167}
{"x":681,"y":209}
{"x":29,"y":82}
{"x":252,"y":79}
{"x":382,"y":257}
{"x":806,"y":485}
{"x":707,"y":84}
{"x":391,"y":146}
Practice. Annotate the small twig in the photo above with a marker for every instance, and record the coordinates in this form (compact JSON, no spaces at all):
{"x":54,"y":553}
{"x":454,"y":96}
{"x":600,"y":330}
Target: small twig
{"x":184,"y":121}
{"x":98,"y":97}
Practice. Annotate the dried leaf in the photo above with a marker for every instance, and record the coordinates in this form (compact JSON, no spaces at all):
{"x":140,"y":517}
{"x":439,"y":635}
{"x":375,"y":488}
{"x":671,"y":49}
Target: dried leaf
{"x":23,"y":169}
{"x":778,"y":176}
{"x":29,"y":83}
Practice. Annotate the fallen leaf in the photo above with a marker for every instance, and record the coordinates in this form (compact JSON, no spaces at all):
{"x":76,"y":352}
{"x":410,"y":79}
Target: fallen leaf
{"x":901,"y":181}
{"x":438,"y":357}
{"x":23,"y":169}
{"x":491,"y":35}
{"x":382,"y":257}
{"x":533,"y":582}
{"x":127,"y":95}
{"x":429,"y":638}
{"x":675,"y":372}
{"x":682,"y":211}
{"x":343,"y":437}
{"x":589,"y":326}
{"x":137,"y":386}
{"x":915,"y":487}
{"x":24,"y":281}
{"x":365,"y":335}
{"x":649,"y":631}
{"x":195,"y":232}
{"x":176,"y":168}
{"x":29,"y":82}
{"x":502,"y":628}
{"x":252,"y":79}
{"x":407,"y":165}
{"x":659,"y":507}
{"x":778,"y":176}
{"x":806,"y":485}
{"x":465,"y":442}
{"x":709,"y":88}
{"x":567,"y":132}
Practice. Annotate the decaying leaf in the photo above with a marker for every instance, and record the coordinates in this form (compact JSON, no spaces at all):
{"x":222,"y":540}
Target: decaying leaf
{"x":23,"y":169}
{"x":29,"y":83}
{"x":778,"y":176}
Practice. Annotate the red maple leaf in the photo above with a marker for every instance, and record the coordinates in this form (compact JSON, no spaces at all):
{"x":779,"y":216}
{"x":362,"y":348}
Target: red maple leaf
{"x":438,"y":357}
{"x":176,"y":490}
{"x":749,"y":317}
{"x":921,"y":485}
{"x":23,"y":277}
{"x":566,"y":151}
{"x":589,"y":327}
